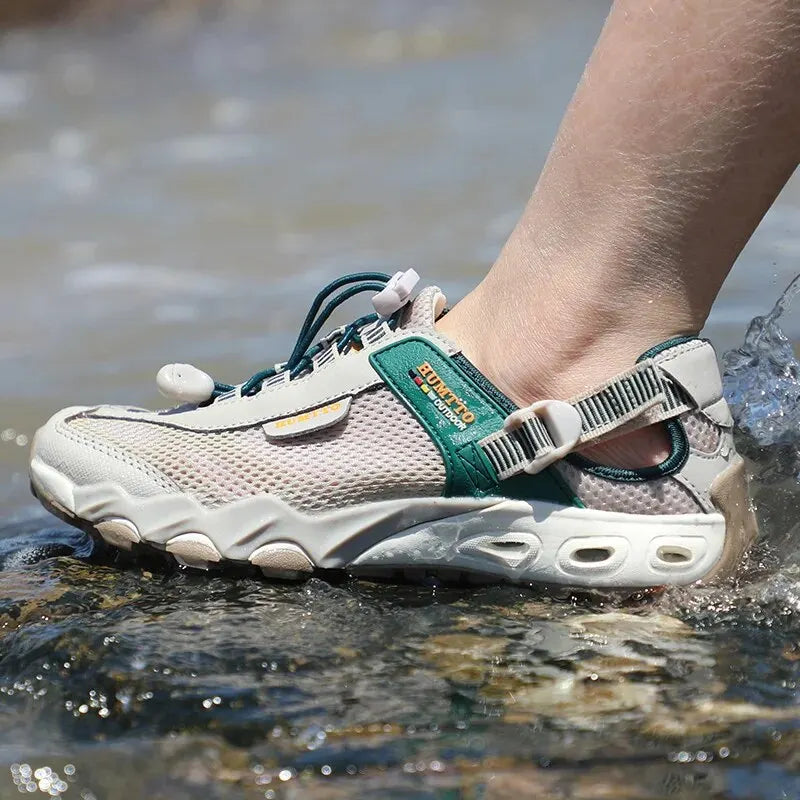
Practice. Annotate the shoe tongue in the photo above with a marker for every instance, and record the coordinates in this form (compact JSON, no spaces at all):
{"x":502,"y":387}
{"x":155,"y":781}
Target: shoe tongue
{"x":424,"y":309}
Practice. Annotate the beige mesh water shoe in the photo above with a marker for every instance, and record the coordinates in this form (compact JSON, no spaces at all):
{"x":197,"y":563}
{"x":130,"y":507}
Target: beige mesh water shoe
{"x":381,"y":448}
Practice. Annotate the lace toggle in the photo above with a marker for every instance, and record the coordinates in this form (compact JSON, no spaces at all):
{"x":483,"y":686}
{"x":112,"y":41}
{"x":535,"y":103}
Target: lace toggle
{"x":396,"y":293}
{"x":185,"y":383}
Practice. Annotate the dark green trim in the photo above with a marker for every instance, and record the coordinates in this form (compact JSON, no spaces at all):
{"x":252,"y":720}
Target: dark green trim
{"x":475,"y":475}
{"x":517,"y":487}
{"x":468,"y":472}
{"x":481,"y":473}
{"x":505,"y":403}
{"x":398,"y":364}
{"x":679,"y":452}
{"x":551,"y":486}
{"x":660,"y":348}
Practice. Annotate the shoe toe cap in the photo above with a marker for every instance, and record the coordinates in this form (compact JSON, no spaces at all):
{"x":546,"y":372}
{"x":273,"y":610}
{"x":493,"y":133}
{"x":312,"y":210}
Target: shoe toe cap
{"x":64,"y":458}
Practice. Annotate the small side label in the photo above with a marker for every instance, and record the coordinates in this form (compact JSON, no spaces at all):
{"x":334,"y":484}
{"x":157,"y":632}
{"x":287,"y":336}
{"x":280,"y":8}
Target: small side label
{"x":311,"y":420}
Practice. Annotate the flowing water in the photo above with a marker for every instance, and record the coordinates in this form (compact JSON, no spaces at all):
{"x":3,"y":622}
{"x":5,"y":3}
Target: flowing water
{"x":175,"y":190}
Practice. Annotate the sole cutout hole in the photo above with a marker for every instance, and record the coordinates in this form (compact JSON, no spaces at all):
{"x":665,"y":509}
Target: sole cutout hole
{"x":674,"y":554}
{"x":592,"y":555}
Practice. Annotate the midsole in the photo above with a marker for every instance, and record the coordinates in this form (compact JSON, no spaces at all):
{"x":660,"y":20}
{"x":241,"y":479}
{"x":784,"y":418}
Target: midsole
{"x":518,"y":539}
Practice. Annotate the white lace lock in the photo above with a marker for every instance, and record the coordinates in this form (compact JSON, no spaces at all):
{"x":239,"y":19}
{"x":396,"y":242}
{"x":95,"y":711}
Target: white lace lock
{"x":184,"y":383}
{"x":396,"y":293}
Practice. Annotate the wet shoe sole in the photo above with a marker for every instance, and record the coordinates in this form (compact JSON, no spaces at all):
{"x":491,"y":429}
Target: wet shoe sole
{"x":491,"y":539}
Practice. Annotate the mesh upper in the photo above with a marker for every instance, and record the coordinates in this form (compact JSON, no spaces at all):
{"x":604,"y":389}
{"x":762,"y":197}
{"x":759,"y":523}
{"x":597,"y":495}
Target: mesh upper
{"x":702,"y":433}
{"x":421,"y":313}
{"x":659,"y":496}
{"x":378,"y":452}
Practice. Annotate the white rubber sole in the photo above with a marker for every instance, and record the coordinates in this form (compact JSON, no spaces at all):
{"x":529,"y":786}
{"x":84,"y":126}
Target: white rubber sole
{"x":513,"y":540}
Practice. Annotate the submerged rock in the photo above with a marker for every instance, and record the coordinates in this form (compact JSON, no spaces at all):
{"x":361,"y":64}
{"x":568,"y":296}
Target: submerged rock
{"x":30,"y":548}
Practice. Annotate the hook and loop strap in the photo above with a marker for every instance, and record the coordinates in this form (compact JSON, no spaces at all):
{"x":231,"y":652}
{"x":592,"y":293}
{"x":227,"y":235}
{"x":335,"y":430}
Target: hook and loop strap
{"x":532,"y":438}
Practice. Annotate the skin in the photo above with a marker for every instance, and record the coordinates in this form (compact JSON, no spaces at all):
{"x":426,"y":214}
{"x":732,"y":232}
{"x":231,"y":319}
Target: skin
{"x":681,"y":133}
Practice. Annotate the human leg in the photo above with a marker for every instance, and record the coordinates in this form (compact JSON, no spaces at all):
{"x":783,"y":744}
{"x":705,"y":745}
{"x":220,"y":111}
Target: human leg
{"x":683,"y":130}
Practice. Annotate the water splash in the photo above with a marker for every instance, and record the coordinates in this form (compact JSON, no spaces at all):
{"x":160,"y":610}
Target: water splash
{"x":761,"y":378}
{"x":761,"y":382}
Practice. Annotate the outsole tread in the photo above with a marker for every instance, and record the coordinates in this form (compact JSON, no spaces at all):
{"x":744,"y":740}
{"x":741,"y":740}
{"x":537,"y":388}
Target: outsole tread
{"x":507,"y":542}
{"x":143,"y":551}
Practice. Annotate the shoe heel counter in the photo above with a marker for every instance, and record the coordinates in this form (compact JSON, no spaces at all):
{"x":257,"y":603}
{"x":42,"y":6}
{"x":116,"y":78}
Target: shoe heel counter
{"x":717,"y":477}
{"x":693,"y":367}
{"x":714,"y":471}
{"x":730,"y":496}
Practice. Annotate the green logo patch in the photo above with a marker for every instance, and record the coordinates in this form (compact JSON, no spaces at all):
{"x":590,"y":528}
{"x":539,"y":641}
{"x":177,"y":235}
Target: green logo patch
{"x":454,"y":411}
{"x":457,"y":414}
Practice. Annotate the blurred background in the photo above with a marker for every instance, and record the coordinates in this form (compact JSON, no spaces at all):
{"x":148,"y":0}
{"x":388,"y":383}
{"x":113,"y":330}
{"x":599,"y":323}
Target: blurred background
{"x":177,"y":180}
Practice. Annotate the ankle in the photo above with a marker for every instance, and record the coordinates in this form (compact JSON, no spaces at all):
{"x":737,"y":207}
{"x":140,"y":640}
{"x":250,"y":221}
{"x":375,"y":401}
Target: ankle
{"x":538,"y":356}
{"x":533,"y":357}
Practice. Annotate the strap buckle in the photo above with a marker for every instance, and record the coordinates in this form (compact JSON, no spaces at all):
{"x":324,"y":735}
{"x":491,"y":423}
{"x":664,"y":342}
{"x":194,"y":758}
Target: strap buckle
{"x":561,"y":422}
